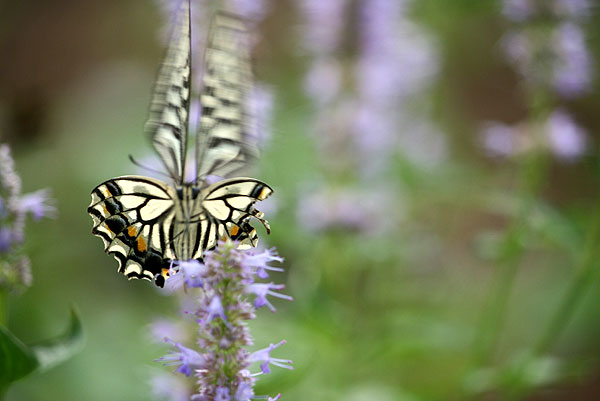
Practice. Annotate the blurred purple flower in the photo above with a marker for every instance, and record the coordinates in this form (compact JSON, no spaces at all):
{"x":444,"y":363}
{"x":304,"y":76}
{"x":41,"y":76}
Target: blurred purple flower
{"x":187,"y":359}
{"x":323,"y":24}
{"x":222,"y":394}
{"x":186,"y":273}
{"x":397,"y":57}
{"x":264,"y":356}
{"x":14,"y":208}
{"x":262,"y":290}
{"x":323,"y":80}
{"x":244,"y":392}
{"x":252,"y":10}
{"x":572,"y":69}
{"x":518,"y":10}
{"x":169,"y":387}
{"x":37,"y":203}
{"x":499,"y":139}
{"x":161,"y":328}
{"x":567,"y":139}
{"x":213,"y":310}
{"x":572,"y":8}
{"x":259,"y":262}
{"x":6,"y":239}
{"x":366,"y":211}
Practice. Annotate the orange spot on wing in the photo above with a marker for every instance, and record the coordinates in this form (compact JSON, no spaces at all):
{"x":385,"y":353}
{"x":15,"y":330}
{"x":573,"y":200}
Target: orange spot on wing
{"x":131,"y":231}
{"x":141,"y":244}
{"x":263,"y":193}
{"x":234,"y":230}
{"x":107,"y":192}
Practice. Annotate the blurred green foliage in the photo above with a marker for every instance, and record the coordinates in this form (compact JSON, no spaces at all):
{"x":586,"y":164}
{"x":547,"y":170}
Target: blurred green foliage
{"x":405,"y":317}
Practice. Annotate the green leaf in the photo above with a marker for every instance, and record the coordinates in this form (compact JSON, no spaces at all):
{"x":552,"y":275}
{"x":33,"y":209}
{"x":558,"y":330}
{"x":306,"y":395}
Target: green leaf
{"x":50,"y":353}
{"x":16,"y":359}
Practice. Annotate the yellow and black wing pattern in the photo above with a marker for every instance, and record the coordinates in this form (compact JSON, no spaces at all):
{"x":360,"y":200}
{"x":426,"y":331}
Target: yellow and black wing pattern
{"x":229,"y":206}
{"x":147,"y":224}
{"x":129,"y":215}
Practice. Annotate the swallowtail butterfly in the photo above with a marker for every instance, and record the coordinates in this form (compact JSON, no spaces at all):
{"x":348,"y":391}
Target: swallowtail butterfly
{"x":146,"y":223}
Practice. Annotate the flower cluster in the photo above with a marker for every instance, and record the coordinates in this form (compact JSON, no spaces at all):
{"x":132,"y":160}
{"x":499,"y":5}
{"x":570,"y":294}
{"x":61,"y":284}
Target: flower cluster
{"x":546,"y":45}
{"x":15,"y":272}
{"x":360,"y":104}
{"x":221,"y":289}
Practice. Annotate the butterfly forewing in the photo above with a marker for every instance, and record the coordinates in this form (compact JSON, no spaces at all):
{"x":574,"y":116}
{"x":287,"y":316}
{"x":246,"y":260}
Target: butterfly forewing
{"x":169,"y":107}
{"x":223,"y":145}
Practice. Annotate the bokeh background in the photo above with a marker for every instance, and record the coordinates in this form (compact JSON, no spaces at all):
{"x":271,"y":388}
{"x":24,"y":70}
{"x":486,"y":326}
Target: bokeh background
{"x":436,"y":175}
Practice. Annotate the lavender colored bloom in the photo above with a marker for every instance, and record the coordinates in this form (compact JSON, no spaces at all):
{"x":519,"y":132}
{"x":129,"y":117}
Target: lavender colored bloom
{"x":214,"y":309}
{"x":274,"y":398}
{"x":244,"y":392}
{"x":264,"y":356}
{"x":164,"y":328}
{"x":37,"y":204}
{"x":324,"y":80}
{"x":15,"y":271}
{"x":6,"y":239}
{"x":188,"y":273}
{"x":323,"y":21}
{"x":572,"y":8}
{"x":397,"y":58}
{"x":187,"y":359}
{"x":567,"y":139}
{"x":499,"y":139}
{"x":572,"y":68}
{"x":260,"y":261}
{"x":222,"y":394}
{"x":262,"y":290}
{"x":518,"y":10}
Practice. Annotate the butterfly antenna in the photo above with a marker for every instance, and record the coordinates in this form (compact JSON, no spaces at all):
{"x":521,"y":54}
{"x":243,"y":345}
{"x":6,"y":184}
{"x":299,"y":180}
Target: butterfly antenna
{"x":162,"y":173}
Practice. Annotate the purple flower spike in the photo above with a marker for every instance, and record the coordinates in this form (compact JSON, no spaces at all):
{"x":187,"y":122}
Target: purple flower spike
{"x":278,"y":396}
{"x":220,"y":288}
{"x":262,"y":290}
{"x":264,"y":356}
{"x":187,"y":359}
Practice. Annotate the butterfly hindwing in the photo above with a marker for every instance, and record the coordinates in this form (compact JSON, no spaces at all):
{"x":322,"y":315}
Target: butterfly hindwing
{"x":223,"y":146}
{"x":129,"y":214}
{"x":230,"y":206}
{"x":169,"y":107}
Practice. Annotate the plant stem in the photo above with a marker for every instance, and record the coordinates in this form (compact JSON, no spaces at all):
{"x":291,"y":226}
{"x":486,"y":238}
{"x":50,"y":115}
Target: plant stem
{"x":531,"y":175}
{"x":3,"y":308}
{"x":584,"y":276}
